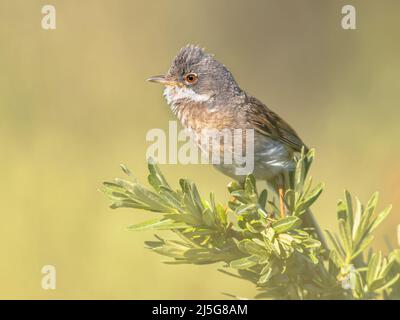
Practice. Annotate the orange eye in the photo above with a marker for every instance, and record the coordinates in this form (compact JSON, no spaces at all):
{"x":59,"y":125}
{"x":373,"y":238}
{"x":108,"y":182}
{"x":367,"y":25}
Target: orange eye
{"x":191,"y":78}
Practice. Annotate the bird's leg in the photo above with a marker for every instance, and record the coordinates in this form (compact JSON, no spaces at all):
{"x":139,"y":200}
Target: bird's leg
{"x":280,"y":185}
{"x":282,"y":201}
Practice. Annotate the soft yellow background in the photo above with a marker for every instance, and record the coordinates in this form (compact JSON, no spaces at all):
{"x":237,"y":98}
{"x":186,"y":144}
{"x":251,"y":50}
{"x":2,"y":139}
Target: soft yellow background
{"x":74,"y":104}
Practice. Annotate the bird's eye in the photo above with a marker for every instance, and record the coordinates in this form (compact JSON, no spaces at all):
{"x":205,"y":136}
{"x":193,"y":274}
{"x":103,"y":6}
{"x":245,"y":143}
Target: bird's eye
{"x":191,"y":78}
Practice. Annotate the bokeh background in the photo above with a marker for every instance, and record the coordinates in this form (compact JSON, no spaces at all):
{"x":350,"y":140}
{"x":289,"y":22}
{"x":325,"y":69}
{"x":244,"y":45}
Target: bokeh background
{"x":74,"y":105}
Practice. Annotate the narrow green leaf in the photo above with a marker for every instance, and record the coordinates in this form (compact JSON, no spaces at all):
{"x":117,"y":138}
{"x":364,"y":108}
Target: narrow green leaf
{"x":358,"y":291}
{"x":152,"y":199}
{"x":349,"y":209}
{"x":286,"y":224}
{"x":262,"y":200}
{"x":245,"y":208}
{"x":338,"y":248}
{"x":308,"y":160}
{"x":265,"y":276}
{"x":362,"y":246}
{"x":208,"y":217}
{"x":366,"y":219}
{"x":125,"y":169}
{"x":313,"y":195}
{"x":383,"y":284}
{"x":250,"y":186}
{"x":157,"y":174}
{"x":250,"y":247}
{"x":374,"y":267}
{"x":157,"y":224}
{"x":382,"y":216}
{"x":357,"y":220}
{"x":345,"y":236}
{"x":244,"y":263}
{"x":189,"y":219}
{"x":131,"y":204}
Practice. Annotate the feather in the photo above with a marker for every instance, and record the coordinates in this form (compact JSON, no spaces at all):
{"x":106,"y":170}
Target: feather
{"x":268,"y":123}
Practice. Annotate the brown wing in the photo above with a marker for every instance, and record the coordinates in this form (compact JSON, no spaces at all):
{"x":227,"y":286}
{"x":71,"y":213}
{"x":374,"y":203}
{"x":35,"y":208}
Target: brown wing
{"x":267,"y":122}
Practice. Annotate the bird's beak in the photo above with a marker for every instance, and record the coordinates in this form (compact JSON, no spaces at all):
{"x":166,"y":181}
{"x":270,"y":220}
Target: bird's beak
{"x":163,"y":80}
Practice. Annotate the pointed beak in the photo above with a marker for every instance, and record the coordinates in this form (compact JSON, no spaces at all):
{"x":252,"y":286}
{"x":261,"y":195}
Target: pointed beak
{"x":163,"y":80}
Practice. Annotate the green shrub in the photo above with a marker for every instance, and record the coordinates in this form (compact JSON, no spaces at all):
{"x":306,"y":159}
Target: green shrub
{"x":284,"y":258}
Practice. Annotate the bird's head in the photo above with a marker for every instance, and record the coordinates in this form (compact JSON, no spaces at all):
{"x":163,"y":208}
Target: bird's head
{"x":195,"y":76}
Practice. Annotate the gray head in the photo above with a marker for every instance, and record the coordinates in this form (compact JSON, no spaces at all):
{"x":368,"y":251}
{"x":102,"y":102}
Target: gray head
{"x":196,"y":75}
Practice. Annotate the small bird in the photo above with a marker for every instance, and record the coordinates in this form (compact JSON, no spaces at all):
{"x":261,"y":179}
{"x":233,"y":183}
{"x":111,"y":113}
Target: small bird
{"x":203,"y":94}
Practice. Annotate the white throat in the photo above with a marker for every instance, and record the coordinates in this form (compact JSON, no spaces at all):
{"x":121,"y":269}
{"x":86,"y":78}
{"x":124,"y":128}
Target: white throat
{"x":174,"y":94}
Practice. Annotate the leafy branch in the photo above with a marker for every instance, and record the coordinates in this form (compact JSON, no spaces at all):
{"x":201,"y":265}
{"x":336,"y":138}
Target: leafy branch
{"x":282,"y":256}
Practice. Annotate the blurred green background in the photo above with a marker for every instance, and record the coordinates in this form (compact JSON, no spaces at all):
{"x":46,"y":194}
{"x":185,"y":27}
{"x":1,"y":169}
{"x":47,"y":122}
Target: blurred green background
{"x":74,"y":105}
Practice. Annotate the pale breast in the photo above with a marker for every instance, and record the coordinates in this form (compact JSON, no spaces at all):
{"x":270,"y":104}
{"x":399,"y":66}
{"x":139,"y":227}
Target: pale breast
{"x":270,"y":155}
